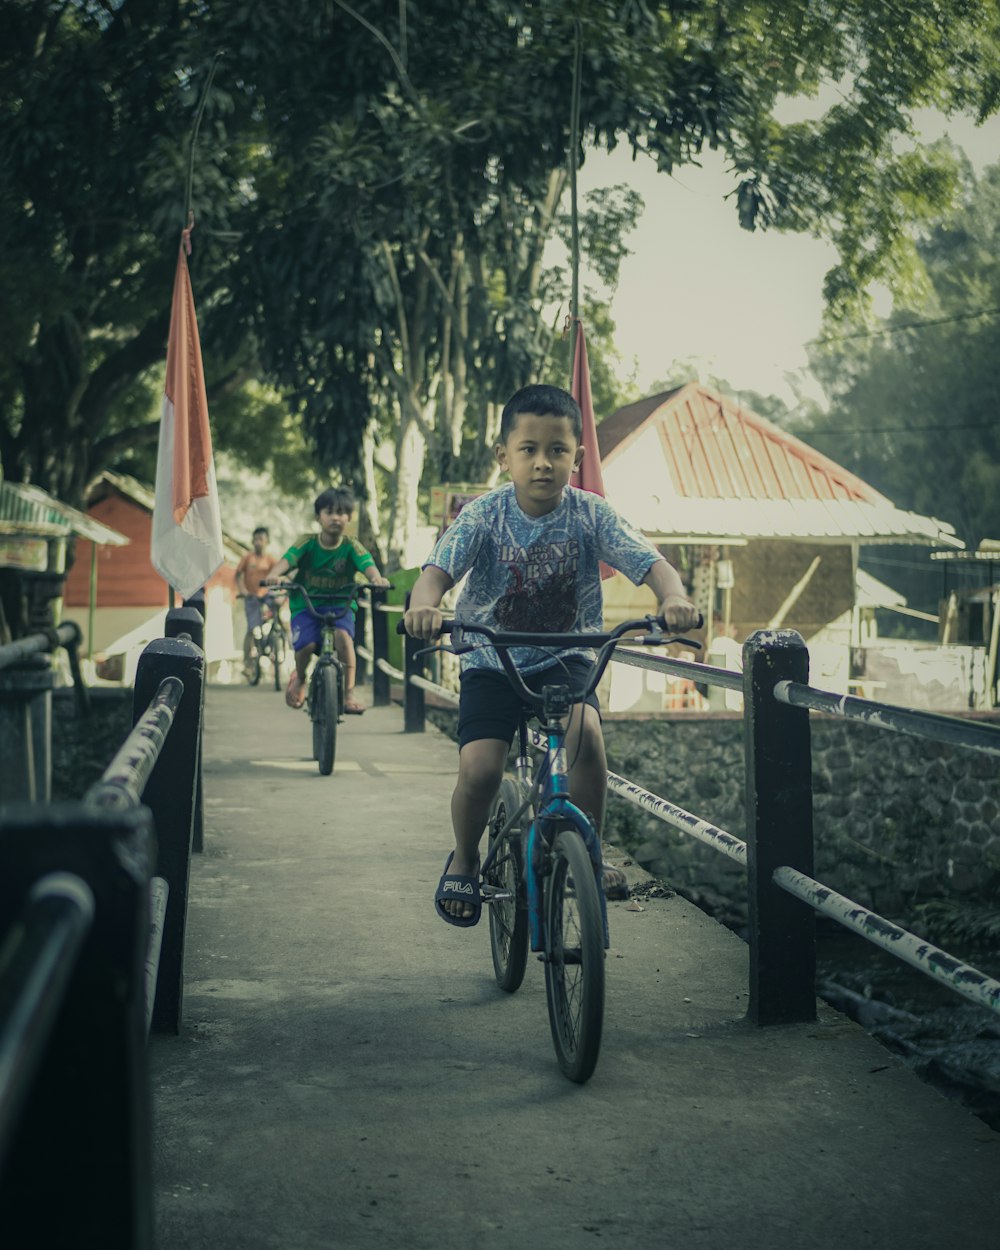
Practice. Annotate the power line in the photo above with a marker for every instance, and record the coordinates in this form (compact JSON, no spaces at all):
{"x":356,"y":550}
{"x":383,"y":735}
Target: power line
{"x":901,"y":429}
{"x":910,"y":325}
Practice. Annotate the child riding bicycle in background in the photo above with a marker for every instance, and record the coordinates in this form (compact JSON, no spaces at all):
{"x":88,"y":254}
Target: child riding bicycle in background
{"x":251,"y":572}
{"x":532,"y":549}
{"x":324,"y":563}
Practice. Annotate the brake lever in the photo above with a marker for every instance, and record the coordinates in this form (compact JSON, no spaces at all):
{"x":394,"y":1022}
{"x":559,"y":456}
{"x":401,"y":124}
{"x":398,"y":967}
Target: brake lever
{"x":449,"y":650}
{"x":656,"y":638}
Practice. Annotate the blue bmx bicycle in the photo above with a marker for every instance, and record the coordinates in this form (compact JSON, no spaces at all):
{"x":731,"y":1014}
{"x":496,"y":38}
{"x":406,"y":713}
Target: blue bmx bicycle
{"x":541,"y":876}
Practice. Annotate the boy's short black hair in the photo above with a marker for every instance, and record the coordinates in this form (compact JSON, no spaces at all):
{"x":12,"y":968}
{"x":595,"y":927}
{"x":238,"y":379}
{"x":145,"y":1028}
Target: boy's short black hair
{"x":339,"y":498}
{"x":261,"y":529}
{"x":544,"y":401}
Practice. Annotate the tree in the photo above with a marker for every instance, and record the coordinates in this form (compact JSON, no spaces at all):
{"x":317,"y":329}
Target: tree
{"x":914,"y":402}
{"x":96,"y":107}
{"x":375,"y":199}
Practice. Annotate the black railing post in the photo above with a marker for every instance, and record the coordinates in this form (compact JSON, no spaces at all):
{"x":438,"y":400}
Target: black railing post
{"x":25,"y":728}
{"x":86,"y":1119}
{"x":779,"y":830}
{"x":361,"y":664}
{"x":170,"y":794}
{"x":413,"y":696}
{"x":190,"y":620}
{"x":381,"y":692}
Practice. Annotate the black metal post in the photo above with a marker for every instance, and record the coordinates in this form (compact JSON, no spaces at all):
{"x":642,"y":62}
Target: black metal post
{"x":86,"y":1117}
{"x":197,"y":601}
{"x":190,"y":620}
{"x":17,"y":744}
{"x":381,"y":693}
{"x":187,"y":620}
{"x":170,"y":794}
{"x":361,"y":664}
{"x":779,"y":830}
{"x":413,"y":696}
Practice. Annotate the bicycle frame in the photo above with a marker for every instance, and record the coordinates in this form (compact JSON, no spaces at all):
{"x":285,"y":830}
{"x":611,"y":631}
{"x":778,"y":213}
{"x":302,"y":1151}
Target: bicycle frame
{"x":555,"y":805}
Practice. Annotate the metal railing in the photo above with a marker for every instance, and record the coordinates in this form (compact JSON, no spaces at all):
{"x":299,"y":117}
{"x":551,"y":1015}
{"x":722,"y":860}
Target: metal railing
{"x":778,"y":853}
{"x":92,"y":946}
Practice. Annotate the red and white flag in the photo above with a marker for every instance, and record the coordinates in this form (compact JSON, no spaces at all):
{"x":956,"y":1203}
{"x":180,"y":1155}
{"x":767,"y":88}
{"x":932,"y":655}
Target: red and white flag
{"x":588,"y":476}
{"x":186,"y":546}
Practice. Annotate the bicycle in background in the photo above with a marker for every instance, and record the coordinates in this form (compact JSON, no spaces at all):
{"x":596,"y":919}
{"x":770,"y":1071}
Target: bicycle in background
{"x":269,"y":641}
{"x":541,"y":876}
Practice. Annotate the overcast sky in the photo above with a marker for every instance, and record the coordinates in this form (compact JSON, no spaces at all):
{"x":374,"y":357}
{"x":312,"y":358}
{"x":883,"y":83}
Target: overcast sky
{"x":696,"y":285}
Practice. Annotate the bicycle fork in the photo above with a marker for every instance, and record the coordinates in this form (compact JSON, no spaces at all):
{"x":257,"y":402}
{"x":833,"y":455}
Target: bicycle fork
{"x":558,"y":807}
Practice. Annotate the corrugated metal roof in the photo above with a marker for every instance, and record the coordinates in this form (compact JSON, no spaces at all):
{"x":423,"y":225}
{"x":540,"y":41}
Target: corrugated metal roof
{"x":695,"y":463}
{"x":25,"y":508}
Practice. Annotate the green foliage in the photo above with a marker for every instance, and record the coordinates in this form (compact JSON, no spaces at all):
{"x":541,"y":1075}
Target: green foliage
{"x":374,"y":197}
{"x":913,"y":404}
{"x":946,"y":919}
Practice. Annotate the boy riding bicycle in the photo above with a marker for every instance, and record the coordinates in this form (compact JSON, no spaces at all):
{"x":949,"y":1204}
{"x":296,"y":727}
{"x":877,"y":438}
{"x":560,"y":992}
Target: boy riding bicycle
{"x":532,"y":549}
{"x":325,"y":564}
{"x":251,"y":574}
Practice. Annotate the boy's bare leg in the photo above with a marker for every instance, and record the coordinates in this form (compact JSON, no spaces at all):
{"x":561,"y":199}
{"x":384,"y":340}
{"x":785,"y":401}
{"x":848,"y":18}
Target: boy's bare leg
{"x":588,"y":779}
{"x":347,"y":657}
{"x":480,"y":771}
{"x":297,"y":683}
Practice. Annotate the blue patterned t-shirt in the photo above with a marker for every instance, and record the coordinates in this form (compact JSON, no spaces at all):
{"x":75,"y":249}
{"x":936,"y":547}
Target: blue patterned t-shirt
{"x":536,"y":574}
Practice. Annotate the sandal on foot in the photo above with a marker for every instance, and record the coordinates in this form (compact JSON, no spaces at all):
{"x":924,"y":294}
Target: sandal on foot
{"x":455,"y":887}
{"x":353,"y":708}
{"x":295,"y":691}
{"x":615,"y":883}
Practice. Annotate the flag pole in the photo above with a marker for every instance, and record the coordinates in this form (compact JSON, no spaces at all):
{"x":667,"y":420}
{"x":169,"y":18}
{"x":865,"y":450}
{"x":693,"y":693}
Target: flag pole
{"x":574,"y":144}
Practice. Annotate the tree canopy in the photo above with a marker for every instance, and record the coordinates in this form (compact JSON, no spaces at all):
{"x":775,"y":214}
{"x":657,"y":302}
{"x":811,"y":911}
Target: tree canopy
{"x":375,"y":187}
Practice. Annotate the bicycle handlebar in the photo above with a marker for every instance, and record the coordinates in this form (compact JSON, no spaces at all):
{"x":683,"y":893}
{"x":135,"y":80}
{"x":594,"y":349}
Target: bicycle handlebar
{"x":504,"y":641}
{"x":335,"y":598}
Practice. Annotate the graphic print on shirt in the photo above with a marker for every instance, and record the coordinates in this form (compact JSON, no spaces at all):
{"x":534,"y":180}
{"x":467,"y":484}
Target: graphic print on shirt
{"x":541,"y":595}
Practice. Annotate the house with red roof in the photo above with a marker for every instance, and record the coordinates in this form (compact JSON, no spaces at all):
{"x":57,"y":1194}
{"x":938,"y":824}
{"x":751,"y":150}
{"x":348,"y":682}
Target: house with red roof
{"x":765,"y":529}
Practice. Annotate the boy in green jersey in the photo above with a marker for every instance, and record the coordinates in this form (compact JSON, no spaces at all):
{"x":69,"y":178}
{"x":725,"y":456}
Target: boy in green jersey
{"x":323,"y":563}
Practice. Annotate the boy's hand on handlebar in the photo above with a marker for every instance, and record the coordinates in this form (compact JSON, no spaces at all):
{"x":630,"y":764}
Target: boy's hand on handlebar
{"x":423,"y":623}
{"x":680,"y":613}
{"x":381,"y":582}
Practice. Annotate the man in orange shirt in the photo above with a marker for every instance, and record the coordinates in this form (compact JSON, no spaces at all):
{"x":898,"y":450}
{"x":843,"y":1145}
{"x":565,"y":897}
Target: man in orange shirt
{"x":250,"y":574}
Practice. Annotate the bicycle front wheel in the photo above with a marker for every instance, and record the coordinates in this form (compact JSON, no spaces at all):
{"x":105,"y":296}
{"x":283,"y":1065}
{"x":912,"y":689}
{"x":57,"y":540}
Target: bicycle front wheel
{"x":324,"y":717}
{"x":508,"y":906}
{"x":574,"y":956}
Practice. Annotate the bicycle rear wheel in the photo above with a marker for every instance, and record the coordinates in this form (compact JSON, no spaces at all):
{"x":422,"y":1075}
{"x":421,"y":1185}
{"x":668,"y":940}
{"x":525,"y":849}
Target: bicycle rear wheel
{"x":325,"y":713}
{"x":253,"y":661}
{"x":508,"y":907}
{"x":278,"y":655}
{"x":574,"y":956}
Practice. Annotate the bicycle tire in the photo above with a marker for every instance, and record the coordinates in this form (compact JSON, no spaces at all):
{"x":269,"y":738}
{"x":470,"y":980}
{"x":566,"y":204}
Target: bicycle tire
{"x":253,"y":662}
{"x":508,"y":916}
{"x":277,"y":655}
{"x":574,"y":955}
{"x":325,"y":712}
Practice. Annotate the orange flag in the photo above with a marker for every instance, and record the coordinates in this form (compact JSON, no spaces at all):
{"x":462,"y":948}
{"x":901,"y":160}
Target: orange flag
{"x":186,"y":547}
{"x":588,"y":476}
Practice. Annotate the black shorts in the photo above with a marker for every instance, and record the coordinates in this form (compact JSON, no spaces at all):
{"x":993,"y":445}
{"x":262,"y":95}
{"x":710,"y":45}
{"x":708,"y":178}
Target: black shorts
{"x":489,"y":706}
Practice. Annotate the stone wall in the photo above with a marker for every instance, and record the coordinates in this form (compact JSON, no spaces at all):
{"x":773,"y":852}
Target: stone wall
{"x":897,"y":820}
{"x":84,"y":745}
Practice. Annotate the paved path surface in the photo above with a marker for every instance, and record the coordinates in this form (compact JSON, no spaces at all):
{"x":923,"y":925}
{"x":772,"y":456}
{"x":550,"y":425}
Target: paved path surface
{"x":348,"y":1075}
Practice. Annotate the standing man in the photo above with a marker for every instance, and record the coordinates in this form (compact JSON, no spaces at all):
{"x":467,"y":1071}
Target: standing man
{"x":250,"y":574}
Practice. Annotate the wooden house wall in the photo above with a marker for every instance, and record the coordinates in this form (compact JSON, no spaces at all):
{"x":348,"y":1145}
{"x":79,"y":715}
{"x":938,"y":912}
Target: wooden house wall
{"x":125,"y":576}
{"x":764,"y":572}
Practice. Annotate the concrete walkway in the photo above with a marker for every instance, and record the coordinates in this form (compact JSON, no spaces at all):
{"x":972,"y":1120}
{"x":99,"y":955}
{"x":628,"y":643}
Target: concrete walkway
{"x":348,"y":1074}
